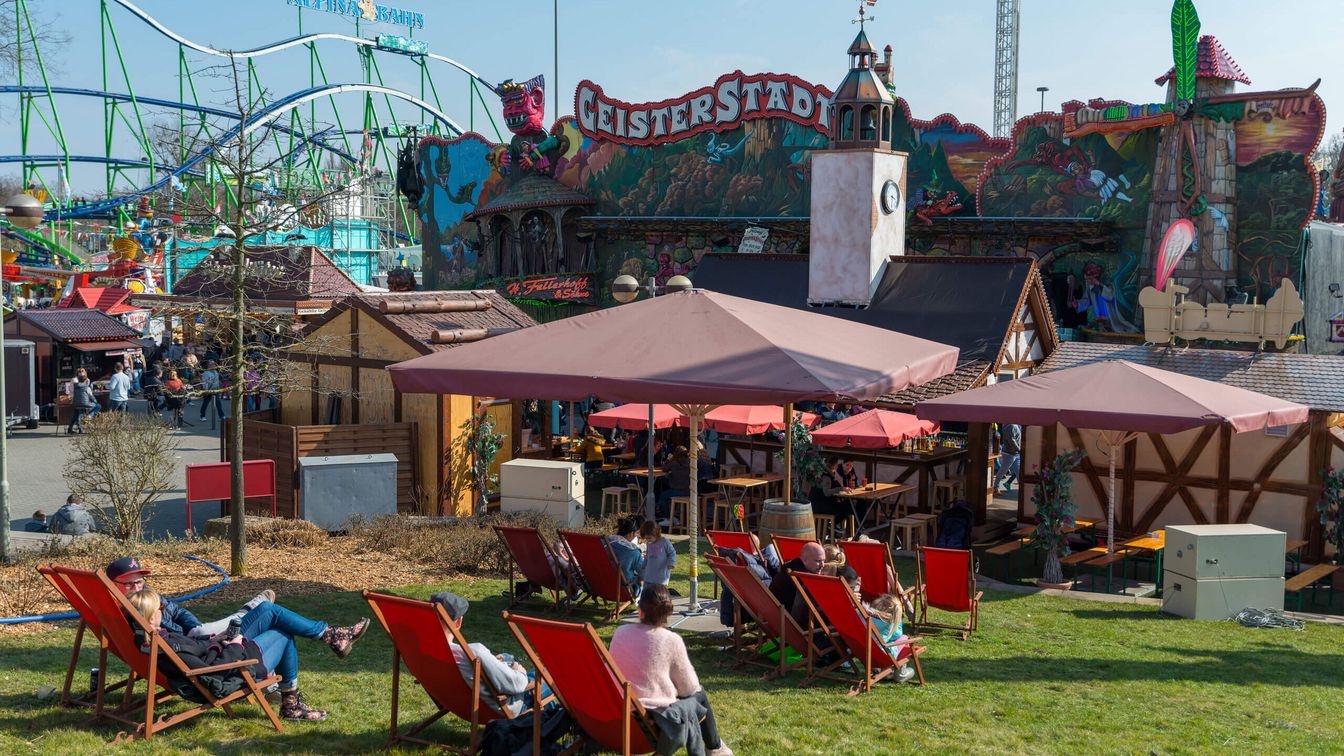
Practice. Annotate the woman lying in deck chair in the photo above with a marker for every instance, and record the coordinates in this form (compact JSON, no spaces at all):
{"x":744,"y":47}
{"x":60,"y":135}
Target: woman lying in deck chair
{"x":278,"y":655}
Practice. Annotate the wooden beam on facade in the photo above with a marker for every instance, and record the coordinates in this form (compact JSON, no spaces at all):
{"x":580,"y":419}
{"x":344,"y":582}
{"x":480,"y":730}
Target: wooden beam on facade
{"x":1177,"y":472}
{"x":1318,"y":460}
{"x":1223,"y":502}
{"x":1130,"y":461}
{"x":1089,"y":469}
{"x":1267,"y":469}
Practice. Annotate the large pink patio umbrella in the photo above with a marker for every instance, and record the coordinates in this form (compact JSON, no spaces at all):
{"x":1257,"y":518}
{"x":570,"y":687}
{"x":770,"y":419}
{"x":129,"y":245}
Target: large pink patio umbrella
{"x":874,"y":429}
{"x":1120,"y":399}
{"x":694,"y":350}
{"x":636,"y":417}
{"x":750,"y":420}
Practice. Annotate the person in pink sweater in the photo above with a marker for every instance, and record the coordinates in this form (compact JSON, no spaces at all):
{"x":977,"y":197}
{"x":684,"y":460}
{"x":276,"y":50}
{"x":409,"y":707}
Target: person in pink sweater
{"x":654,"y":660}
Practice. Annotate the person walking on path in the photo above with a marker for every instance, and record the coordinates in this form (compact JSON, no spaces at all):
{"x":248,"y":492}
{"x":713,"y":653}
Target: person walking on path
{"x":210,"y":385}
{"x":118,"y":389}
{"x":82,"y":399}
{"x":1010,"y":449}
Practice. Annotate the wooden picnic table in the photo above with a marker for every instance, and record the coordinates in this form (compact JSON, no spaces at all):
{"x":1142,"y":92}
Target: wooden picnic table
{"x":642,"y":472}
{"x":870,"y":494}
{"x":622,"y":457}
{"x":1079,"y":524}
{"x":744,"y":484}
{"x":1154,"y":542}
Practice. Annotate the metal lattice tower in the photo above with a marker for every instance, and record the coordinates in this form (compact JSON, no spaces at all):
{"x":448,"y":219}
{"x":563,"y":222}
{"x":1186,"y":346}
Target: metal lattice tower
{"x":1005,"y":67}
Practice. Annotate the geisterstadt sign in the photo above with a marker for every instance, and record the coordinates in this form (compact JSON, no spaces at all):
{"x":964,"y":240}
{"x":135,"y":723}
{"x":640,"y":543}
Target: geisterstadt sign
{"x":367,"y":10}
{"x":733,"y":98}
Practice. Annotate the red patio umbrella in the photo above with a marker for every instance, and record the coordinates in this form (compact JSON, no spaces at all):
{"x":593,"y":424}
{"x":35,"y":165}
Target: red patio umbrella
{"x":636,"y":417}
{"x":1120,"y":399}
{"x":750,"y":420}
{"x":874,"y":429}
{"x":694,"y":350}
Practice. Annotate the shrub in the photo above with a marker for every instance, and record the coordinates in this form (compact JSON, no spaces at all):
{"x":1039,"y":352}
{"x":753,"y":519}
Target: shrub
{"x":119,"y":466}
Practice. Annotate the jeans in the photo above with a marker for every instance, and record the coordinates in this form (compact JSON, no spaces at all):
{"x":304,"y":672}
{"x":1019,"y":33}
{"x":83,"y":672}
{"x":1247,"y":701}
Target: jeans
{"x":280,"y":656}
{"x":113,"y":406}
{"x":208,"y":400}
{"x":1008,"y":470}
{"x":268,"y":616}
{"x":78,"y":418}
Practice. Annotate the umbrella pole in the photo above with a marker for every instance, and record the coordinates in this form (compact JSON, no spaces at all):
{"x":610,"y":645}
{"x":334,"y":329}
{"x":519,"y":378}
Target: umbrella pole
{"x":650,"y":502}
{"x":788,"y":453}
{"x":1110,"y":510}
{"x":693,"y":511}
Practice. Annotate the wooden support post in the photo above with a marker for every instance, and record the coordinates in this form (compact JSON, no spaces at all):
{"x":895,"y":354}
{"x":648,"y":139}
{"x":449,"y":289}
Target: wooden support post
{"x":1318,"y":459}
{"x":977,"y":485}
{"x":1223,"y":503}
{"x":1127,"y":481}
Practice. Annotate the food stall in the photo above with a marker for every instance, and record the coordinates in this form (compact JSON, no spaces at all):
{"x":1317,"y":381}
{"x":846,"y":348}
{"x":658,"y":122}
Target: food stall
{"x":66,"y":340}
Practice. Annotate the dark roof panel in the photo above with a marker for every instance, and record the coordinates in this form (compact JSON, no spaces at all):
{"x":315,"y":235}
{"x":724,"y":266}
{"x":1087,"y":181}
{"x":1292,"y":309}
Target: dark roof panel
{"x":281,"y":273}
{"x":1316,"y":380}
{"x":78,"y":325}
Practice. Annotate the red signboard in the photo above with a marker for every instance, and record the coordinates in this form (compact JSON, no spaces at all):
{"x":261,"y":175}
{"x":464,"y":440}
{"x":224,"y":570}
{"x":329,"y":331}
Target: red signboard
{"x":210,"y":482}
{"x":731,"y":100}
{"x":578,"y":288}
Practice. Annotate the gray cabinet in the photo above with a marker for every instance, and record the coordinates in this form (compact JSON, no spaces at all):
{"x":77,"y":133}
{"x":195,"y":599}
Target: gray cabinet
{"x":1215,"y":571}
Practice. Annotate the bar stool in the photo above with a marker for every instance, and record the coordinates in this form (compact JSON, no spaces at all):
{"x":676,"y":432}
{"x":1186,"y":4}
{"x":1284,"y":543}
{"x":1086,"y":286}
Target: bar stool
{"x":825,"y":525}
{"x":716,"y":510}
{"x":613,"y":500}
{"x":930,"y":525}
{"x":945,"y":492}
{"x":912,"y":530}
{"x":635,"y":498}
{"x":681,"y":506}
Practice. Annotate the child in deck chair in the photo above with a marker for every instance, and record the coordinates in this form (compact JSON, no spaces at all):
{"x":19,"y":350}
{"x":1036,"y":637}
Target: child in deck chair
{"x":887,"y":619}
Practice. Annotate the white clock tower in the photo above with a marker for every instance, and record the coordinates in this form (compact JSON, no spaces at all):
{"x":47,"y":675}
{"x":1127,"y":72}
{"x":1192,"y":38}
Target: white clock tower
{"x":858,"y":190}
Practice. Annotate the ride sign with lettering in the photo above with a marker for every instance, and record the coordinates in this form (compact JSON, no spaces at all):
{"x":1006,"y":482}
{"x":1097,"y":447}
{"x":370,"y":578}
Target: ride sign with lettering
{"x":733,"y":99}
{"x":577,"y":288}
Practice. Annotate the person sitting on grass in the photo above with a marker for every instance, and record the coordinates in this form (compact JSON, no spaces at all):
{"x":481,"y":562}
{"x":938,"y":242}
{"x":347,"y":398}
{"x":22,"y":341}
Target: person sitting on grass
{"x":629,"y":559}
{"x":654,"y":660}
{"x":273,"y":650}
{"x":660,"y":556}
{"x":506,"y":676}
{"x":257,"y":616}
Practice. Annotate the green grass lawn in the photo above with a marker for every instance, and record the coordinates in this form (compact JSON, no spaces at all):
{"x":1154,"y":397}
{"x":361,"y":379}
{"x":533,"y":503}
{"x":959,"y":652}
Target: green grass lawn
{"x":1043,"y":674}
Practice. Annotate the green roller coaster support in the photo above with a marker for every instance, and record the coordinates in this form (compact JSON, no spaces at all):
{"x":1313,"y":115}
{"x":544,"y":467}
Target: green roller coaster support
{"x":143,"y":134}
{"x":484,"y":107}
{"x":21,"y":11}
{"x":36,"y":240}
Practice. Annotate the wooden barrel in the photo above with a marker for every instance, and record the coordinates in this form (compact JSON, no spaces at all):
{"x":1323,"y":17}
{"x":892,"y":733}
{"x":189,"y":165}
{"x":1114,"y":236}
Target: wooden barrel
{"x":792,"y":519}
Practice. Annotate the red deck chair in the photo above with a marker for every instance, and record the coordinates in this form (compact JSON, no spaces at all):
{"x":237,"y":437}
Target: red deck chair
{"x":831,"y":602}
{"x":532,"y":554}
{"x":577,"y":666}
{"x":597,"y":564}
{"x":791,"y":548}
{"x":114,"y":614}
{"x":728,"y":539}
{"x":755,"y":600}
{"x":87,"y":620}
{"x":871,"y":560}
{"x":422,"y":634}
{"x":947,"y":582}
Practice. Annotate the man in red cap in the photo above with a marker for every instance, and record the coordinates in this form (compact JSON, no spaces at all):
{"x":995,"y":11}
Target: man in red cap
{"x":257,"y":616}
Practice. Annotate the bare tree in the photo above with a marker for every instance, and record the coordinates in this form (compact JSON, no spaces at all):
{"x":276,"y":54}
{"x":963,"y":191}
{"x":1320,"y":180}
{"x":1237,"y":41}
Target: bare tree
{"x":237,"y":219}
{"x":119,"y":466}
{"x":18,"y":33}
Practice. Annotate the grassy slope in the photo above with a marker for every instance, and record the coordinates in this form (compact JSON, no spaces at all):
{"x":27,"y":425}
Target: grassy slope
{"x":1042,"y":675}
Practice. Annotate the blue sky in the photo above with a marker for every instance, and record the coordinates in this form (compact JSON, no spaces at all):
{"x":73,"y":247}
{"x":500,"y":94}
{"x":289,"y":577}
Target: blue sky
{"x":637,"y":51}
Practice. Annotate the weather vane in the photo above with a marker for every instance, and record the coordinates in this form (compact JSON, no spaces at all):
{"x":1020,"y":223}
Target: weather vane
{"x":861,"y":20}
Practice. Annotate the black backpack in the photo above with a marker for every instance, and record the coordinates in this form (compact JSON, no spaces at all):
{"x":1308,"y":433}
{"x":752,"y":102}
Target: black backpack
{"x":513,"y":737}
{"x":954,"y":526}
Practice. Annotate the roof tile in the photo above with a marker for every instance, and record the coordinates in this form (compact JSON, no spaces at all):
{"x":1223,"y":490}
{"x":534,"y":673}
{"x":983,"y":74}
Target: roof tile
{"x":78,"y":324}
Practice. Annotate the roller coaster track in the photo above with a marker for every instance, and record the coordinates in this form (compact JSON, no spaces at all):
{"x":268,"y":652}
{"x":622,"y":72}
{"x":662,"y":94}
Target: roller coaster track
{"x":62,"y":159}
{"x":34,"y":240}
{"x":257,"y":52}
{"x":244,"y":128}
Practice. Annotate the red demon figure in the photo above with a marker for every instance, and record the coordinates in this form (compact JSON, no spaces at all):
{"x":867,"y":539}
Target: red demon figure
{"x":525,"y":114}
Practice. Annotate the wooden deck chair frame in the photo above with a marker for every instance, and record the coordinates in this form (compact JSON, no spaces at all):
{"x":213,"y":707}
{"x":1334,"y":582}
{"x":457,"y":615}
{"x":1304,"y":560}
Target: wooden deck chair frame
{"x":808,"y":582}
{"x":481,"y":689}
{"x":145,"y":665}
{"x":864,"y":557}
{"x":549,"y":553}
{"x":773,"y":623}
{"x":922,"y":594}
{"x":586,"y":572}
{"x":790,"y":548}
{"x":87,"y":621}
{"x":635,"y":715}
{"x":720,"y":539}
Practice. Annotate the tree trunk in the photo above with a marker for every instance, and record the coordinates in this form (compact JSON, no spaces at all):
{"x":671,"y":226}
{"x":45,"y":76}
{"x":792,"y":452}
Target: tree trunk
{"x":1053,"y":572}
{"x":237,"y":515}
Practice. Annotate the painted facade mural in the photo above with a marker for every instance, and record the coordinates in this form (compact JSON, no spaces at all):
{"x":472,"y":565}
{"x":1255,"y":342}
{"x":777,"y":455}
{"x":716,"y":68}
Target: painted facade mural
{"x":648,"y":189}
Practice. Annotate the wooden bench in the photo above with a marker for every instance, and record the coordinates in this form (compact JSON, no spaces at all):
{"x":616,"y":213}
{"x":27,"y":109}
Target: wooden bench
{"x":1106,"y":560}
{"x":1007,"y":549}
{"x":1311,"y":578}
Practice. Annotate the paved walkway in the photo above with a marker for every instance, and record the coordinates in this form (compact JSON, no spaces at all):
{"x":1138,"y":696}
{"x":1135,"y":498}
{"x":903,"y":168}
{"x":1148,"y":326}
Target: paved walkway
{"x":37,"y":459}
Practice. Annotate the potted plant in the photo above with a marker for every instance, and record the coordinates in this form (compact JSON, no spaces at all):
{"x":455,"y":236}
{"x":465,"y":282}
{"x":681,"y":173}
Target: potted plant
{"x":1331,"y":507}
{"x":483,"y":443}
{"x":1053,"y":499}
{"x":808,"y":465}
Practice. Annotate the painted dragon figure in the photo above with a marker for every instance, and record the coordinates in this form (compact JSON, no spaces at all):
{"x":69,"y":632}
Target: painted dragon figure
{"x":935,"y":206}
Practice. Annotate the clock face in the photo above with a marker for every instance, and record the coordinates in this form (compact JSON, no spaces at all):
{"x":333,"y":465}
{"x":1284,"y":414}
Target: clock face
{"x":891,"y":197}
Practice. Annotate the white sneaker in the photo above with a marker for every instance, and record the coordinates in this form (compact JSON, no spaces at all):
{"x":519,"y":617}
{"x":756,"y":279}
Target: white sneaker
{"x":906,"y":674}
{"x":722,"y":750}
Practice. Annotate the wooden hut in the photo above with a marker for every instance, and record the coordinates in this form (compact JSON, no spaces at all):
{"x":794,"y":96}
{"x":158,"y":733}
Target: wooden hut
{"x":1270,"y":478}
{"x":344,"y":354}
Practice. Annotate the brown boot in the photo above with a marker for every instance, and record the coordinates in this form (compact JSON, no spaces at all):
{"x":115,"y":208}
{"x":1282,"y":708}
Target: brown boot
{"x":342,"y":639}
{"x":293,"y":708}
